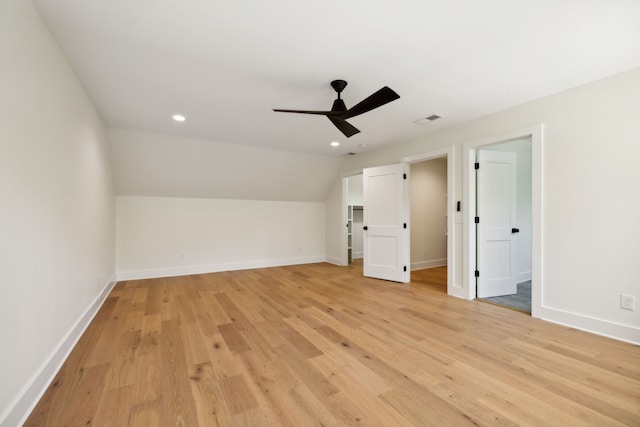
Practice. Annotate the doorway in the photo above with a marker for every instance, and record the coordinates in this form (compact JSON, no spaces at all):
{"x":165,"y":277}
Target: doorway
{"x":430,"y":229}
{"x":535,"y":133}
{"x":503,"y":229}
{"x":439,"y":262}
{"x":355,"y":218}
{"x":428,"y":212}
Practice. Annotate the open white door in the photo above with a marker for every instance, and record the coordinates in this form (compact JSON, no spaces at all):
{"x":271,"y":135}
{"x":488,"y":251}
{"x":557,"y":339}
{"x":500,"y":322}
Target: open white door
{"x":386,"y":223}
{"x":496,"y":215}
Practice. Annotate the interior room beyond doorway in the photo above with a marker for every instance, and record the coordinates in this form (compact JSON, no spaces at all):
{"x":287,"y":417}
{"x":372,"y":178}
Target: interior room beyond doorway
{"x":355,"y":218}
{"x":428,"y":216}
{"x":428,"y":213}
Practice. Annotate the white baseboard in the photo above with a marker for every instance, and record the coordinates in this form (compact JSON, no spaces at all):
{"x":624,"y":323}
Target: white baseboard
{"x":421,"y":265}
{"x":605,"y":328}
{"x":214,"y":268}
{"x":358,"y":255}
{"x":333,"y":260}
{"x":29,"y":396}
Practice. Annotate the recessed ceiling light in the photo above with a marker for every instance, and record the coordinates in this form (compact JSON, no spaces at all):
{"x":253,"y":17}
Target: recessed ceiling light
{"x":335,"y":144}
{"x":179,"y":118}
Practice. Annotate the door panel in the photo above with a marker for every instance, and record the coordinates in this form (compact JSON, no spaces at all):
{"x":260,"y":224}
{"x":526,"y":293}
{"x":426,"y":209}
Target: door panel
{"x":386,"y":251}
{"x":496,"y":199}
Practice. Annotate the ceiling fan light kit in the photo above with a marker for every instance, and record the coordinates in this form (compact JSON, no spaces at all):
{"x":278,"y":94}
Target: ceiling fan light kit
{"x":340,"y":113}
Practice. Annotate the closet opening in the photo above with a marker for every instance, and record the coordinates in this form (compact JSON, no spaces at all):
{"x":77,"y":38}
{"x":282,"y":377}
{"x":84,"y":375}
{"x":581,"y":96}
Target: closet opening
{"x":355,"y":215}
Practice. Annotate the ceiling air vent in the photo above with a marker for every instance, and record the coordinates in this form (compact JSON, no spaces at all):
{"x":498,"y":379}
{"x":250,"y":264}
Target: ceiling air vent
{"x":428,"y":119}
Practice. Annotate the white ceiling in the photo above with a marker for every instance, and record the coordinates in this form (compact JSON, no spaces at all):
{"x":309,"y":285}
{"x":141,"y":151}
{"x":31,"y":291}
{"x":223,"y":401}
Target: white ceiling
{"x":225,"y":64}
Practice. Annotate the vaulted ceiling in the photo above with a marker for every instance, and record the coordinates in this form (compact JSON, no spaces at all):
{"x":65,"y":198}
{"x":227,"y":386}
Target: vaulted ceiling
{"x":225,"y":64}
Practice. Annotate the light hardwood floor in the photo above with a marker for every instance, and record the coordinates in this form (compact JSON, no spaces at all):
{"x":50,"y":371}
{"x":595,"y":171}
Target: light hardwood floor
{"x":319,"y":345}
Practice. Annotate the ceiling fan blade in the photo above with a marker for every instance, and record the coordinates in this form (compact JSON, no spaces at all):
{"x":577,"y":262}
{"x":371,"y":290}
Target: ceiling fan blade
{"x":322,"y":113}
{"x":378,"y":99}
{"x":346,"y":128}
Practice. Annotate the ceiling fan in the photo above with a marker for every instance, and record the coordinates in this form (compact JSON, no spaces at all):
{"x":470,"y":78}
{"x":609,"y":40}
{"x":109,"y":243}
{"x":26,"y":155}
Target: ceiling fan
{"x":340,"y":113}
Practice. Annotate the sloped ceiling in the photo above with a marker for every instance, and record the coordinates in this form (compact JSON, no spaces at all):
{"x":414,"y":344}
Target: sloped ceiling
{"x":226,"y":64}
{"x":158,"y":165}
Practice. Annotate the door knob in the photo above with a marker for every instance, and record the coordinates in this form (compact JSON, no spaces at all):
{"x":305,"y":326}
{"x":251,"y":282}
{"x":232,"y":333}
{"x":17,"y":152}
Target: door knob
{"x":365,"y":228}
{"x":515,"y":230}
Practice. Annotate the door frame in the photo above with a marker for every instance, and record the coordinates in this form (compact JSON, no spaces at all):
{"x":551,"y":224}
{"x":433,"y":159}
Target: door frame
{"x":448,"y":154}
{"x":534,"y":132}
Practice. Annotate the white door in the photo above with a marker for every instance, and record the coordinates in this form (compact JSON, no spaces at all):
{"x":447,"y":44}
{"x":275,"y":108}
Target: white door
{"x":496,"y":228}
{"x":386,"y":223}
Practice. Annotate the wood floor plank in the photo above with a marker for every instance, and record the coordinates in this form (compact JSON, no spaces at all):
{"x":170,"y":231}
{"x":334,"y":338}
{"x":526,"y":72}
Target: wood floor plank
{"x":321,"y":345}
{"x":361,"y":392}
{"x":223,"y":362}
{"x":272,"y":384}
{"x":305,"y":371}
{"x":301,"y":344}
{"x":86,"y":396}
{"x":195,"y":351}
{"x":149,"y":377}
{"x":147,"y":414}
{"x":208,"y":396}
{"x":232,"y":337}
{"x":177,"y":403}
{"x":428,"y":412}
{"x":114,"y":407}
{"x":122,"y":370}
{"x":237,"y":395}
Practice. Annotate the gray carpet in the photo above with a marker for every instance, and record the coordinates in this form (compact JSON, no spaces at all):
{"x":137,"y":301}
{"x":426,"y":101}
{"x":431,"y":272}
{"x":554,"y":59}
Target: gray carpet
{"x":520,"y":301}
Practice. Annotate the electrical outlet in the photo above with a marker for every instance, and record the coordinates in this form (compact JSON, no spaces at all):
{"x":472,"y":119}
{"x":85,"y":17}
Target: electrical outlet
{"x":628,"y":302}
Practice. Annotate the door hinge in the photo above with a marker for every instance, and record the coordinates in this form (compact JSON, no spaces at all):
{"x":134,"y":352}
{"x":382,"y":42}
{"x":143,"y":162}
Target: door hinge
{"x":477,"y":273}
{"x":405,"y":225}
{"x":405,"y":268}
{"x":477,"y":220}
{"x":404,"y":176}
{"x":476,"y":165}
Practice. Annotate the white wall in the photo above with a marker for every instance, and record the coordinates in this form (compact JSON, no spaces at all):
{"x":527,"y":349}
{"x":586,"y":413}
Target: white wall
{"x":148,"y":164}
{"x":522,"y":150}
{"x":355,"y":190}
{"x":159,"y":237}
{"x":57,"y":210}
{"x":590,"y":179}
{"x":428,"y":194}
{"x":335,"y":224}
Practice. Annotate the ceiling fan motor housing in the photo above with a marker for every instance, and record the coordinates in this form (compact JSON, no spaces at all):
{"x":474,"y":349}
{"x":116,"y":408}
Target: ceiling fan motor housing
{"x":338,"y":85}
{"x":338,"y":105}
